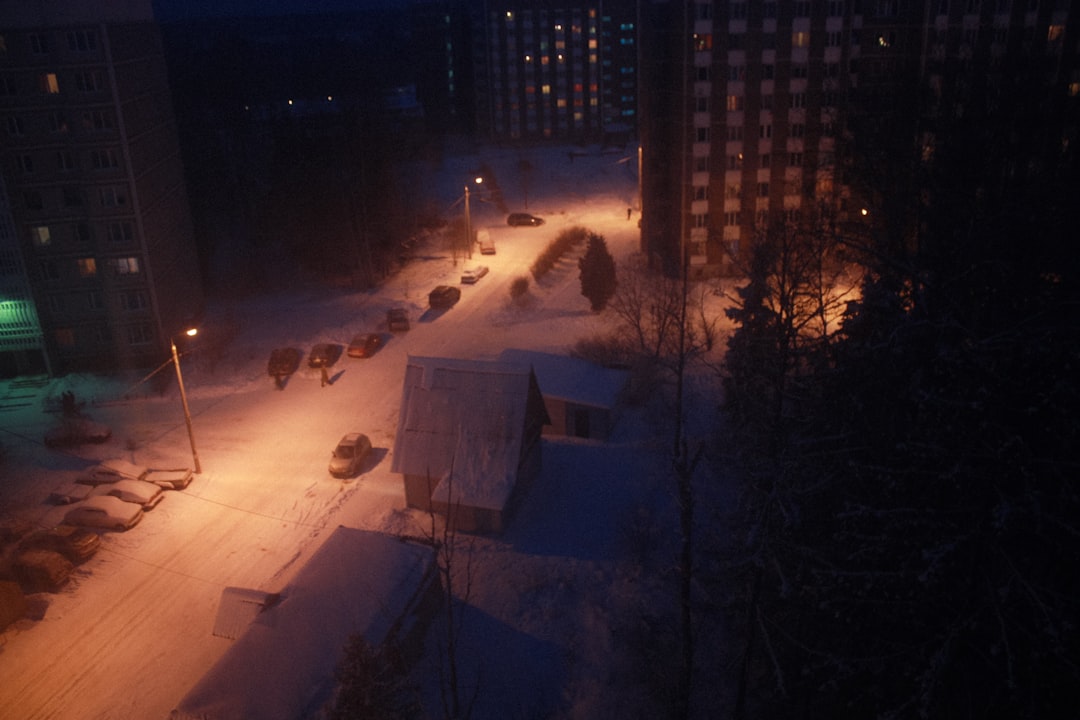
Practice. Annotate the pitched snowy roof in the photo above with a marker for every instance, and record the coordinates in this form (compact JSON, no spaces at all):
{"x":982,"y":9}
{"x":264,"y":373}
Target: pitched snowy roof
{"x":569,"y":378}
{"x":465,"y":415}
{"x":282,"y":666}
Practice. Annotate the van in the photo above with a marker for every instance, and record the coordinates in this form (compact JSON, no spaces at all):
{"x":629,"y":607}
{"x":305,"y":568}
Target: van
{"x":487,"y":245}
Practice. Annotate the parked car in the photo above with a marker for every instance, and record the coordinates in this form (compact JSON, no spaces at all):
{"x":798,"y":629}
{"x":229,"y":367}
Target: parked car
{"x":349,"y":455}
{"x":523,"y":219}
{"x":69,"y":492}
{"x":106,"y":512}
{"x":74,"y":543}
{"x":365,"y":345}
{"x":77,"y":431}
{"x":487,"y":245}
{"x":444,"y":296}
{"x":144,"y":494}
{"x":110,"y":471}
{"x":41,"y":571}
{"x":283,"y":362}
{"x":170,"y":478}
{"x":397,"y":319}
{"x":471,"y":275}
{"x":324,"y":355}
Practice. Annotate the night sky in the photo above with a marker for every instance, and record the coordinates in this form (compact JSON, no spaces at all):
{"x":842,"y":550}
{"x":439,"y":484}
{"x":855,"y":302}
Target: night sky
{"x":167,"y":10}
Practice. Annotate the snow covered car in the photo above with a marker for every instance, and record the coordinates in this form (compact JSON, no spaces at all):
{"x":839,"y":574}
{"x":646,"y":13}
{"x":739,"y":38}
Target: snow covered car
{"x":144,"y":494}
{"x":349,"y":455}
{"x":41,"y":570}
{"x":444,"y":296}
{"x":77,"y":431}
{"x":106,"y":512}
{"x":169,"y":478}
{"x":109,"y":471}
{"x":74,"y":543}
{"x":471,"y":275}
{"x":365,"y":345}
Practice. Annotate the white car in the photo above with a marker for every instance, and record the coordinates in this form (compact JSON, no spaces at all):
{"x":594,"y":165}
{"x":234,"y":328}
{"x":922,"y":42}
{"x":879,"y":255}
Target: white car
{"x":471,"y":275}
{"x":104,"y":511}
{"x":109,"y":471}
{"x":349,"y":455}
{"x":144,"y":494}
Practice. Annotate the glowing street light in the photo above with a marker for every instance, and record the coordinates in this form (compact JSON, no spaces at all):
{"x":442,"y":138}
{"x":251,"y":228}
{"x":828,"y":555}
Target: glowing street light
{"x":191,"y":332}
{"x":468,"y":218}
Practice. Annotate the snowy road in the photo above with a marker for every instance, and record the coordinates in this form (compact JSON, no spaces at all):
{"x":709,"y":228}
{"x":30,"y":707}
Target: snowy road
{"x":132,"y":633}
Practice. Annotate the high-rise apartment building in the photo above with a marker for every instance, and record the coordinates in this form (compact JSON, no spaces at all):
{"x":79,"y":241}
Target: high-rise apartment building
{"x":531,"y":69}
{"x":94,"y":182}
{"x":743,"y":102}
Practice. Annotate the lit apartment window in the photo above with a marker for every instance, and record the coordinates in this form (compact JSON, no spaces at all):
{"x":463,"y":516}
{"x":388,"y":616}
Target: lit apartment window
{"x":702,"y":41}
{"x":125,"y":266}
{"x":49,"y":84}
{"x":87,"y":267}
{"x":41,"y":236}
{"x":734,"y":102}
{"x":800,"y":39}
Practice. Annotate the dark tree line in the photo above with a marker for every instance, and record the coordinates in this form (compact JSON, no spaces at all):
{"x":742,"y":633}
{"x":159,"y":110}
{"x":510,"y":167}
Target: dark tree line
{"x":908,"y":530}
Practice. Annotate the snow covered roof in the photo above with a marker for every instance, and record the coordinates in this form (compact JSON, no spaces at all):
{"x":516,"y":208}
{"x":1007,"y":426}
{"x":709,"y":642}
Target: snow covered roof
{"x":467,"y":416}
{"x":569,"y":378}
{"x":282,"y":666}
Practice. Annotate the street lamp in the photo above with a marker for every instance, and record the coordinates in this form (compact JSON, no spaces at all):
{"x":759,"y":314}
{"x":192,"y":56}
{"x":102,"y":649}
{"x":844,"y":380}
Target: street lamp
{"x":468,"y":218}
{"x":183,"y":398}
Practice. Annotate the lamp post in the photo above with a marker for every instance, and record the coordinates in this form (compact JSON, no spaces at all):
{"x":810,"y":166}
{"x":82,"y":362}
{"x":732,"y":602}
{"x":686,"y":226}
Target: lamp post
{"x":183,"y":399}
{"x":468,"y":218}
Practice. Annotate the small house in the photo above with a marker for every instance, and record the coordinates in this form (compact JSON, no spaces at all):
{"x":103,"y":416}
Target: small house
{"x":582,"y":398}
{"x":468,"y":439}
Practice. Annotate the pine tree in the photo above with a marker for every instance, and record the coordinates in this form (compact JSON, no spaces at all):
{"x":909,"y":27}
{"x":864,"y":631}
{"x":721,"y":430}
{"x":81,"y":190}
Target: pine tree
{"x":597,"y":273}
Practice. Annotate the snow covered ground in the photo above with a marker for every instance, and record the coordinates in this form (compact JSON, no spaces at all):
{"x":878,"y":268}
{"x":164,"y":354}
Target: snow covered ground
{"x":132,"y":634}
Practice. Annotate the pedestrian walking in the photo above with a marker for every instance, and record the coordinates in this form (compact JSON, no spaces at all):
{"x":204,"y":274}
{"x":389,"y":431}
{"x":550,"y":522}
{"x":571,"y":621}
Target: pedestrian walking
{"x":628,"y":211}
{"x":325,"y":377}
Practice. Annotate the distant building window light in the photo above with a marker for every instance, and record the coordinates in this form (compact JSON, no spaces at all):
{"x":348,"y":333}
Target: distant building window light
{"x":800,"y":39}
{"x":87,"y":267}
{"x":628,"y":113}
{"x":626,"y":41}
{"x":626,"y":26}
{"x":702,"y":41}
{"x":41,"y":236}
{"x":49,"y":84}
{"x":125,"y":266}
{"x":545,"y":89}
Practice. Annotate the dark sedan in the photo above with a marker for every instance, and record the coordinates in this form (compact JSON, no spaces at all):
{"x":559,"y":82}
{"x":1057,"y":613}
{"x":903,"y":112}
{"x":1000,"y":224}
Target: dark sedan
{"x":324,"y":355}
{"x":523,"y":219}
{"x":444,"y":296}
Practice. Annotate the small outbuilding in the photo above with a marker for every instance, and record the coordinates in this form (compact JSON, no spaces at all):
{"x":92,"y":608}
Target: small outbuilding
{"x":582,"y":398}
{"x":468,"y":439}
